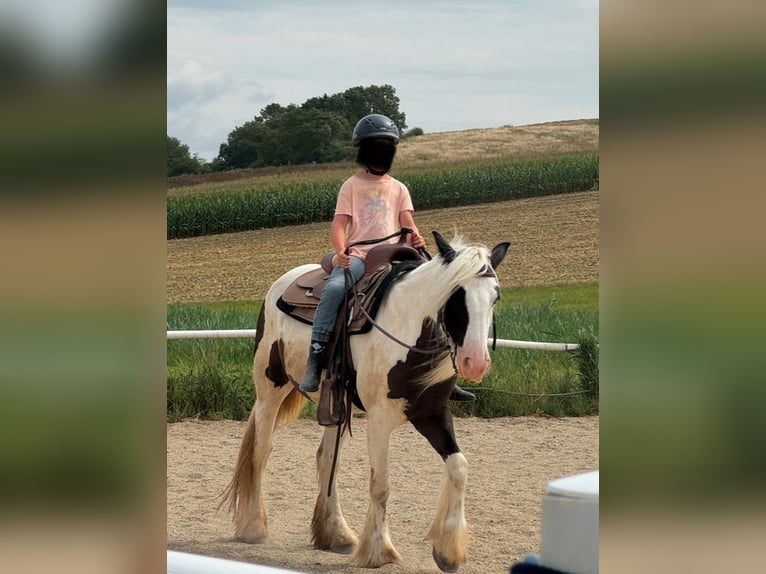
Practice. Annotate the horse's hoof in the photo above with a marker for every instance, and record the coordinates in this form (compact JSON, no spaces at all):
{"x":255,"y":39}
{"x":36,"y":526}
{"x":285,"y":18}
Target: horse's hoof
{"x":251,"y":539}
{"x":346,"y":549}
{"x":443,"y":564}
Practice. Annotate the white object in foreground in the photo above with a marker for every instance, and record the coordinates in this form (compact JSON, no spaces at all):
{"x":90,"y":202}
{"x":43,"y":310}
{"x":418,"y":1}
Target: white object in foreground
{"x":183,"y":563}
{"x":569,"y":541}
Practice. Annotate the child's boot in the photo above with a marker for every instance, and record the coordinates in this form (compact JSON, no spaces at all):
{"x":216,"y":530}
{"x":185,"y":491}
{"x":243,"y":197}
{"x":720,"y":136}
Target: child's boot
{"x":310,"y":382}
{"x":459,"y":394}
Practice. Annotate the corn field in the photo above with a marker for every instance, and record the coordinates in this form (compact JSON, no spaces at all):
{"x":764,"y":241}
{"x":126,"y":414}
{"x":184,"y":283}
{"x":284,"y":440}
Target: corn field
{"x":313,"y":199}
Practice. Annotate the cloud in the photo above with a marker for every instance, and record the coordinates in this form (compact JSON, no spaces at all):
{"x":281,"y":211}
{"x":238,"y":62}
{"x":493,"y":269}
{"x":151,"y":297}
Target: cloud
{"x":461,"y":66}
{"x":190,"y":82}
{"x":203,"y":119}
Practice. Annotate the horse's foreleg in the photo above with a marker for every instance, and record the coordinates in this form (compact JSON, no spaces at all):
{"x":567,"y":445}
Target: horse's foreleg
{"x":329,"y":530}
{"x":375,"y":548}
{"x":448,"y":533}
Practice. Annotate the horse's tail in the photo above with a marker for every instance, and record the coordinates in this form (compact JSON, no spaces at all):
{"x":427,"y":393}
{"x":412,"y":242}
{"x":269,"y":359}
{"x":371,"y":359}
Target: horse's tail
{"x":291,"y":407}
{"x":238,"y":491}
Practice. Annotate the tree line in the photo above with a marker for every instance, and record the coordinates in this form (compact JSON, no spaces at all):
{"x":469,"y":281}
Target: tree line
{"x":317,"y":131}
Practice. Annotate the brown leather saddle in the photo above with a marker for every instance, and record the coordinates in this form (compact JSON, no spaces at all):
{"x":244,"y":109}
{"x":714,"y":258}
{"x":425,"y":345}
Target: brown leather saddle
{"x":384,"y":264}
{"x":302,"y":296}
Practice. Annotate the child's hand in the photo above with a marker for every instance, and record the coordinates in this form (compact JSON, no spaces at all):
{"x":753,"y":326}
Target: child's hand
{"x":416,"y":240}
{"x":342,"y":260}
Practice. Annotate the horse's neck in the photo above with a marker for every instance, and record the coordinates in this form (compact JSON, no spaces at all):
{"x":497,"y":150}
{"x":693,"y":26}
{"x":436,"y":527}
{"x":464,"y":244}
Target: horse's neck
{"x":423,"y":292}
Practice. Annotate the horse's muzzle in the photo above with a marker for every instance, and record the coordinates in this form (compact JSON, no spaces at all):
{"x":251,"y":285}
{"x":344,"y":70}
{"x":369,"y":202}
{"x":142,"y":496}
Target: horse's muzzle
{"x":472,"y":366}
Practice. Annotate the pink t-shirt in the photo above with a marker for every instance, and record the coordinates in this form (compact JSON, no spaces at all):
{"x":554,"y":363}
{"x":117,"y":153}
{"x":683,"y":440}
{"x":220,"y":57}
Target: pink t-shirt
{"x":374,"y":204}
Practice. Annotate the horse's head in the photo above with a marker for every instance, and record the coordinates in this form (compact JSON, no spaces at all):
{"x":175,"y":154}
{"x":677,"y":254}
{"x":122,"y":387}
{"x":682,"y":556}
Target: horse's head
{"x":468,"y":311}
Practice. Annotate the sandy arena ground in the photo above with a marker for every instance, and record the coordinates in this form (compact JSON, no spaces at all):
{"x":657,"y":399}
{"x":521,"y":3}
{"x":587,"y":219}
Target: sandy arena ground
{"x":510,"y":462}
{"x":554,"y":240}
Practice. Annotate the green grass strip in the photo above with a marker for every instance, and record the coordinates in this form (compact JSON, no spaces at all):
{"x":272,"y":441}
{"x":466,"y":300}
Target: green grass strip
{"x":212,"y":378}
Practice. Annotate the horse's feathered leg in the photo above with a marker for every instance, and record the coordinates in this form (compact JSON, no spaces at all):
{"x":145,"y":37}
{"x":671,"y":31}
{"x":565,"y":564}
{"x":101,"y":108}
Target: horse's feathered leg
{"x":247,"y":486}
{"x":277,"y":402}
{"x":448,"y":533}
{"x":375,"y":547}
{"x":329,"y":530}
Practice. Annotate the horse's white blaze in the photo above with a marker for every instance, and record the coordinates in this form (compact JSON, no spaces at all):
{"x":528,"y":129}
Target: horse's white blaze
{"x":472,"y":358}
{"x":424,"y":292}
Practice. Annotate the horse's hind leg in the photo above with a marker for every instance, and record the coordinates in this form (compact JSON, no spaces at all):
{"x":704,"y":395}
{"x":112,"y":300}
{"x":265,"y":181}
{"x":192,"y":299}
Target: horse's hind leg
{"x":329,"y":530}
{"x":376,"y":548}
{"x":246,"y":489}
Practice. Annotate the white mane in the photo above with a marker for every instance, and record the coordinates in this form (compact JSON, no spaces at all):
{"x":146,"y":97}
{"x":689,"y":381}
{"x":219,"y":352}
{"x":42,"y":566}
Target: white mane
{"x":470,"y":260}
{"x":431,"y":285}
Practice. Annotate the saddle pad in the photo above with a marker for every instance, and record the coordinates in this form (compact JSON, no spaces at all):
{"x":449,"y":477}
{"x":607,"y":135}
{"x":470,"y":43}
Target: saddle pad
{"x":301,"y":302}
{"x":307,"y":289}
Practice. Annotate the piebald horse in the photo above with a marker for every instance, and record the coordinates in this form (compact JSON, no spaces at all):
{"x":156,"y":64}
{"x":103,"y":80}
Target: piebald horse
{"x":447,"y":300}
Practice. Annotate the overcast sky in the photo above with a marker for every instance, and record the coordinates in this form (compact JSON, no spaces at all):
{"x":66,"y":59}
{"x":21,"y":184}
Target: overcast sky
{"x":454,"y":65}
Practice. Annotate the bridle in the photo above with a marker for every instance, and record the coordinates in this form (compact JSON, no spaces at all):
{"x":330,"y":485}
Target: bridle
{"x":442,"y":345}
{"x":445,"y":342}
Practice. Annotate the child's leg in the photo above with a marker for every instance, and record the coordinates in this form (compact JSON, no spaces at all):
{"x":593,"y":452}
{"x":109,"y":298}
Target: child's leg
{"x":324,"y":321}
{"x":332,"y":297}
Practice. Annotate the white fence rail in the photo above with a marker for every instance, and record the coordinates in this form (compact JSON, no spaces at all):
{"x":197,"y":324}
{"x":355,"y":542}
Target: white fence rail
{"x":250,"y":333}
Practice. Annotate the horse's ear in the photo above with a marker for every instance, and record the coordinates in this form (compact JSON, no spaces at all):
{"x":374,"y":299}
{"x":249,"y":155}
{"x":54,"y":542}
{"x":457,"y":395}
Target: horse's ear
{"x":498,"y":253}
{"x":445,"y":249}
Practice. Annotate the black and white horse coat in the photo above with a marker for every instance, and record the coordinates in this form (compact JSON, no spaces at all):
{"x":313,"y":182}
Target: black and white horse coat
{"x":454,"y":293}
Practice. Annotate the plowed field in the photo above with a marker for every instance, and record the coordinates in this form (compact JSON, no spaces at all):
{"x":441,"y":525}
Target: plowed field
{"x":553,"y":239}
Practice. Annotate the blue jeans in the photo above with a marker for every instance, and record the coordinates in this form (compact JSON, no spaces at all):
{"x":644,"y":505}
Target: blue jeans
{"x":333,"y":295}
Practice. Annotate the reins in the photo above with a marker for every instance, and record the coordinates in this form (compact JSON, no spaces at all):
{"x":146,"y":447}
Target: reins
{"x":432,"y":351}
{"x":345,"y":422}
{"x":403,"y":235}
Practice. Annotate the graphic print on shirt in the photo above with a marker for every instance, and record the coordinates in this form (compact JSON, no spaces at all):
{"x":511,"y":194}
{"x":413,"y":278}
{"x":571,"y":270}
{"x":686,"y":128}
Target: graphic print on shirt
{"x":374,"y":211}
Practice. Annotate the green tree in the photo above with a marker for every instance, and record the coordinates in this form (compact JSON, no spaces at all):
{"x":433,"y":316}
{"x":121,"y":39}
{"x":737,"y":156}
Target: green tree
{"x":336,"y":103}
{"x":273,"y":111}
{"x":252,"y":143}
{"x":308,"y":136}
{"x":318,"y":131}
{"x":180,"y":160}
{"x":412,"y":133}
{"x":357,"y":102}
{"x":242,"y":145}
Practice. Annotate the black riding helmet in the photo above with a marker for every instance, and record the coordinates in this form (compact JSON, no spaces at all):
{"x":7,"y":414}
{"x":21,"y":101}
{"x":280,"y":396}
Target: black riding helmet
{"x":375,"y":126}
{"x":376,"y":136}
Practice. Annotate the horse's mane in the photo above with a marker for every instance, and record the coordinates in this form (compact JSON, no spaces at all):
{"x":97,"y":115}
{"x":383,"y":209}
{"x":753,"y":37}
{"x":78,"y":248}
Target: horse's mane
{"x":470,"y":260}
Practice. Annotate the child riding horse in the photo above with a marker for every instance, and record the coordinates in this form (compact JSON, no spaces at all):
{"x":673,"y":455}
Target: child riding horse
{"x":446,"y":301}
